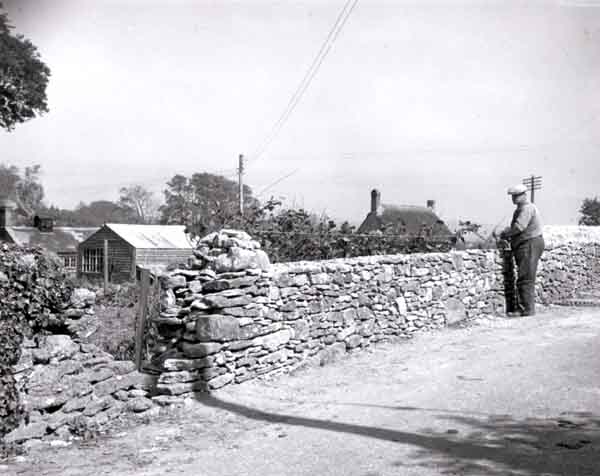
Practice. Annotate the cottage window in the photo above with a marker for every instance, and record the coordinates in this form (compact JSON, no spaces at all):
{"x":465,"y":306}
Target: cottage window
{"x":93,"y":260}
{"x":70,"y":261}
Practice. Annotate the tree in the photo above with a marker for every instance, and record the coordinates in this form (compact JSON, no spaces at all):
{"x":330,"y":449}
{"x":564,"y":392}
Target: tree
{"x":29,"y":190}
{"x":139,"y":204}
{"x":178,"y":202}
{"x":23,"y":187}
{"x":23,"y":78}
{"x":98,"y":213}
{"x":9,"y":177}
{"x":590,"y":212}
{"x":204,"y":201}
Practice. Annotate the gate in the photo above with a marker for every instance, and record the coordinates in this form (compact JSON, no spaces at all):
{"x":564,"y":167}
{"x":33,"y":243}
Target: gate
{"x":148,"y":310}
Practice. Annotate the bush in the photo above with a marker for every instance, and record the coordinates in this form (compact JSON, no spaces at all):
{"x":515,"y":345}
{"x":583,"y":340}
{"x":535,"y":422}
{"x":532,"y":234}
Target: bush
{"x":295,"y":235}
{"x":122,"y":350}
{"x":33,"y":296}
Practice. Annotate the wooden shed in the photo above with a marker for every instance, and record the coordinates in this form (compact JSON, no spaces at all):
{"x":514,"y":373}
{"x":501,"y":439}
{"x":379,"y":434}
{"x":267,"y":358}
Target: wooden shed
{"x":130,"y":247}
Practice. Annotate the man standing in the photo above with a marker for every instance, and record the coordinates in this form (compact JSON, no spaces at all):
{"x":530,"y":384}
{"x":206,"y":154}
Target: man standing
{"x":527,"y":244}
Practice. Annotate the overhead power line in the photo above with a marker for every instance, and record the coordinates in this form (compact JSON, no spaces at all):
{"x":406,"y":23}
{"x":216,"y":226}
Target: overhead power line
{"x":308,"y":77}
{"x":270,"y":186}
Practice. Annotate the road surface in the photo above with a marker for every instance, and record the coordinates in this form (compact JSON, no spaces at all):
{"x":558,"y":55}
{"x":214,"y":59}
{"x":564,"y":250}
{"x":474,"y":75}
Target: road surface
{"x":504,"y":397}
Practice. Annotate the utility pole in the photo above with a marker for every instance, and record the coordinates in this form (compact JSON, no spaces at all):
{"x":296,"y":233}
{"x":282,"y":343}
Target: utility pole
{"x":533,"y":183}
{"x":241,"y":183}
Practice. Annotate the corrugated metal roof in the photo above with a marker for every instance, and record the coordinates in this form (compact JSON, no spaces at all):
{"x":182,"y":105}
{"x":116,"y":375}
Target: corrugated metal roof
{"x":61,"y":239}
{"x":152,"y":236}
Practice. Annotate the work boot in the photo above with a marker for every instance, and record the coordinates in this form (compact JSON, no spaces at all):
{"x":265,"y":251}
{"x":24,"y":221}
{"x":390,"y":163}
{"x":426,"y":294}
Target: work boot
{"x":513,"y":314}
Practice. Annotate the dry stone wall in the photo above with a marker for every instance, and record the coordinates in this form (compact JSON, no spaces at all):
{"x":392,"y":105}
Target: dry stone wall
{"x":52,"y":386}
{"x":570,"y":263}
{"x":67,"y":388}
{"x":250,"y":323}
{"x":218,"y":328}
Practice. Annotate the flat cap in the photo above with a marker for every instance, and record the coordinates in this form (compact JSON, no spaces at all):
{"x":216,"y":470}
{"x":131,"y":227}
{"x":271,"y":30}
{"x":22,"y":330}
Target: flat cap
{"x":517,"y":189}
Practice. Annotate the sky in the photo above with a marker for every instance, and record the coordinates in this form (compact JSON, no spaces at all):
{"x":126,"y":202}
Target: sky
{"x":446,"y":100}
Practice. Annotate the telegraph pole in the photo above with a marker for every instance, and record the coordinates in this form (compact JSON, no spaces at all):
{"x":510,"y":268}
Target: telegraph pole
{"x":241,"y":183}
{"x":533,"y":183}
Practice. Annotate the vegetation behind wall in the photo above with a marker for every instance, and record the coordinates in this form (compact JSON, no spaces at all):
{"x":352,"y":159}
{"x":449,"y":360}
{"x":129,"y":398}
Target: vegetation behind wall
{"x":33,"y":294}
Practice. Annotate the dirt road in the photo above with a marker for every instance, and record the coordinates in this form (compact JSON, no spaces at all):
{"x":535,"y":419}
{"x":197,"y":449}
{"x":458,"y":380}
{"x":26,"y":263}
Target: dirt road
{"x":506,"y":397}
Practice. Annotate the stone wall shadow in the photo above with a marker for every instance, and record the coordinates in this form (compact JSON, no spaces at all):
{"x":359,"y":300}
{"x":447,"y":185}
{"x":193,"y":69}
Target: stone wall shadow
{"x":567,"y":445}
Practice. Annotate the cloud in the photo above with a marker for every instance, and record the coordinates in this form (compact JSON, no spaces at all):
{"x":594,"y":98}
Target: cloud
{"x":579,"y":3}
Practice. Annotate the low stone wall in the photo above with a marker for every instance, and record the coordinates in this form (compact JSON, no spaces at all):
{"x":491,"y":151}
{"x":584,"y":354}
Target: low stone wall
{"x":67,"y":387}
{"x":570,"y":263}
{"x":219,"y":328}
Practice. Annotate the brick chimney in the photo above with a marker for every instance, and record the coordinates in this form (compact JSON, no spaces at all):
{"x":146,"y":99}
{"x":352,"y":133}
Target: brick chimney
{"x":6,"y":212}
{"x":375,"y":201}
{"x":45,"y":224}
{"x":431,"y":205}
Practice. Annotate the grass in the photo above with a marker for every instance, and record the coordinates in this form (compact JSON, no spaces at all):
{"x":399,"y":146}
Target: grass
{"x":112,"y":327}
{"x":115,"y":331}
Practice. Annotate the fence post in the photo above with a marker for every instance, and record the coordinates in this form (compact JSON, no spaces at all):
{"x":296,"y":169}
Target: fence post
{"x":142,"y":314}
{"x":105,"y":267}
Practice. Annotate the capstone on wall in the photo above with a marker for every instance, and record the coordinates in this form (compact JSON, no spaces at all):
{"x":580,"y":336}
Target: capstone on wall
{"x":218,"y":328}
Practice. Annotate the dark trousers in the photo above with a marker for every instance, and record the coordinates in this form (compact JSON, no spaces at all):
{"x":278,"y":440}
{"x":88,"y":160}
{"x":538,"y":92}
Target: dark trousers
{"x":527,"y":256}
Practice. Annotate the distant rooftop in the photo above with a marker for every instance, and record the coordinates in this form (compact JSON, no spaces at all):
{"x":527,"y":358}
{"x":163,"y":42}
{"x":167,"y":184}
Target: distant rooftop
{"x":59,"y":240}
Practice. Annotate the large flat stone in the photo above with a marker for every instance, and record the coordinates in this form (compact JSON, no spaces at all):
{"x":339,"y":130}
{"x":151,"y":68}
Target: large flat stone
{"x":217,"y":328}
{"x":273,"y":341}
{"x":220,"y":302}
{"x":182,"y":376}
{"x":179,"y":388}
{"x":139,"y":404}
{"x":119,"y":382}
{"x":121,"y":367}
{"x":353,"y":341}
{"x":175,"y":365}
{"x":455,"y":311}
{"x":60,"y":418}
{"x":35,"y":430}
{"x":76,"y":404}
{"x":242,"y":311}
{"x":221,"y":381}
{"x":58,"y":347}
{"x":200,"y":349}
{"x":216,"y":286}
{"x":99,"y":374}
{"x":47,"y":388}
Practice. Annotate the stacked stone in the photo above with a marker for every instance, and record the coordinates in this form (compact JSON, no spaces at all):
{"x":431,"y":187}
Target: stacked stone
{"x":566,"y":269}
{"x":570,"y":263}
{"x":217,"y":256}
{"x":67,"y":387}
{"x":206,"y":305}
{"x":81,"y":304}
{"x":561,"y":235}
{"x":236,"y":325}
{"x":229,"y":250}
